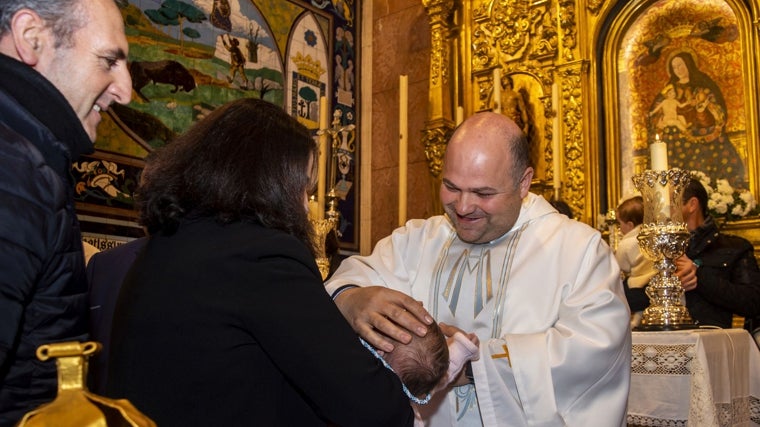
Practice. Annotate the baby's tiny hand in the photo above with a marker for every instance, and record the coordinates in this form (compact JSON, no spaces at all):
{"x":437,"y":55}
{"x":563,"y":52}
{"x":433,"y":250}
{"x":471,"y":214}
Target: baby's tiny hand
{"x":474,"y":338}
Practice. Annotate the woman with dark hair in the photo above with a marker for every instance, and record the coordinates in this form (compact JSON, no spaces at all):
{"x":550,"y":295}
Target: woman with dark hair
{"x":222,"y":319}
{"x":699,"y":141}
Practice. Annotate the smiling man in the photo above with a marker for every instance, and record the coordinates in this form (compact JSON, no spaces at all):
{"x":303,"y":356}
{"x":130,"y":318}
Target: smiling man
{"x":62,"y":63}
{"x":541,"y":291}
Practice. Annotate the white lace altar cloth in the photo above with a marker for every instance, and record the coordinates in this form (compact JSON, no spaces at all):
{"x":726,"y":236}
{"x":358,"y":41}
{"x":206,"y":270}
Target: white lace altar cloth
{"x":694,"y":378}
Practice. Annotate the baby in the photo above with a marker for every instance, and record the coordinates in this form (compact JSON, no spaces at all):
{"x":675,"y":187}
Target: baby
{"x":430,"y":363}
{"x":669,"y":107}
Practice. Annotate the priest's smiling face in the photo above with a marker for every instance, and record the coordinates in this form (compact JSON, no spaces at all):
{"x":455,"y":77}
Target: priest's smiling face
{"x":480,"y":193}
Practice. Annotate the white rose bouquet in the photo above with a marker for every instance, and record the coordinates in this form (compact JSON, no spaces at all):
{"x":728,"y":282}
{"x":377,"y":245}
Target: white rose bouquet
{"x":723,"y":201}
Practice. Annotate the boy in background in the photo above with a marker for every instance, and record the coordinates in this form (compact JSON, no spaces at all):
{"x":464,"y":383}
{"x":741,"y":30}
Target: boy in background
{"x":635,"y":268}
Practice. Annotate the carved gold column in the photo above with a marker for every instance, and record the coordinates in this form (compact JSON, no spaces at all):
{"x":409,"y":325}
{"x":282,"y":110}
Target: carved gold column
{"x":439,"y":126}
{"x":573,"y":150}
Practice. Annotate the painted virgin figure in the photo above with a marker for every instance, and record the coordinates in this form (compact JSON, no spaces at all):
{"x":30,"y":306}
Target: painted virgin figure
{"x":690,"y":115}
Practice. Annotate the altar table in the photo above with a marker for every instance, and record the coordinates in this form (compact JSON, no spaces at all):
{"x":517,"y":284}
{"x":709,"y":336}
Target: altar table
{"x":694,"y":378}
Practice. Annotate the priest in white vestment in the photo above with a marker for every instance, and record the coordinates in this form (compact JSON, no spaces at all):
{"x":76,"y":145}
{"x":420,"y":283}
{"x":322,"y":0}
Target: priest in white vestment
{"x":541,"y":291}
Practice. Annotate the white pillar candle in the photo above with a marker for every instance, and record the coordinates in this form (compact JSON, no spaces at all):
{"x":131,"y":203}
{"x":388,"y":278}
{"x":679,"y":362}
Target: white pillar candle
{"x":659,"y":155}
{"x":402,"y":147}
{"x":556,"y":163}
{"x":314,"y":208}
{"x":497,"y":90}
{"x":659,"y":158}
{"x":556,"y":149}
{"x":322,"y":160}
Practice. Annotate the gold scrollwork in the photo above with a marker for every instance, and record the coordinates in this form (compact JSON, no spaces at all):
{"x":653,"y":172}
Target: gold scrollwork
{"x":572,"y":129}
{"x":539,"y":72}
{"x":435,"y":140}
{"x":439,"y":8}
{"x":567,"y":23}
{"x":482,"y":55}
{"x":545,"y":40}
{"x":485,"y":90}
{"x":436,"y":56}
{"x":549,"y":114}
{"x":594,"y":5}
{"x":508,"y":26}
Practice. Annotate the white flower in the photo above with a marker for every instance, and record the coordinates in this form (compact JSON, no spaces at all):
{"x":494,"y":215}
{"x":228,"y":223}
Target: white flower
{"x":704,"y":179}
{"x":747,"y":198}
{"x":724,"y":187}
{"x":716,"y":198}
{"x":724,"y":200}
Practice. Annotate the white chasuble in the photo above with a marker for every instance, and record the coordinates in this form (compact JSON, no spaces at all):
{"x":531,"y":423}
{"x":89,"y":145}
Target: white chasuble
{"x":546,"y":302}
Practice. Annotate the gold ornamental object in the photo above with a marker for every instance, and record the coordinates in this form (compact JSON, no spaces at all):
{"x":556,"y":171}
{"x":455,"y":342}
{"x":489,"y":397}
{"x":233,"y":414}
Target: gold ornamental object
{"x":75,"y":406}
{"x":663,"y":238}
{"x":322,"y":230}
{"x":342,"y":142}
{"x":613,"y":229}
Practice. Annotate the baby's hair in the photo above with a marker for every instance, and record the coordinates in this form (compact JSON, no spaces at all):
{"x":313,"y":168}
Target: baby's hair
{"x":632,"y":210}
{"x":421,"y":364}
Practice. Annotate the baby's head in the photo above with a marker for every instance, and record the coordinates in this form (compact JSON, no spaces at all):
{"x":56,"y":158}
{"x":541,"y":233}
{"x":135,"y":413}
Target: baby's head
{"x":630,"y":213}
{"x":421,"y":364}
{"x":669,"y":91}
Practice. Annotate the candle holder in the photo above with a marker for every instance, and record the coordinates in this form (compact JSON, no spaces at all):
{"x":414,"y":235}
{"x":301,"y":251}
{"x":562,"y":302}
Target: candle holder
{"x":75,"y":405}
{"x":340,"y":136}
{"x":613,"y":229}
{"x":322,"y":229}
{"x":662,"y":239}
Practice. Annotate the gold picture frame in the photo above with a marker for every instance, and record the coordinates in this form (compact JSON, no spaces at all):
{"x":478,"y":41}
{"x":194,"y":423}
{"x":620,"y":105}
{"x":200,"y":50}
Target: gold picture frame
{"x":684,"y":72}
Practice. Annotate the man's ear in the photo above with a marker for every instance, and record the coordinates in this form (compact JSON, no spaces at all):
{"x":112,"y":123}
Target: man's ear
{"x":30,"y":35}
{"x":525,"y":182}
{"x":692,"y":204}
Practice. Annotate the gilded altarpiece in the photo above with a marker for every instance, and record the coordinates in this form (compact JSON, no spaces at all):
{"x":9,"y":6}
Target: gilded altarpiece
{"x":565,"y":71}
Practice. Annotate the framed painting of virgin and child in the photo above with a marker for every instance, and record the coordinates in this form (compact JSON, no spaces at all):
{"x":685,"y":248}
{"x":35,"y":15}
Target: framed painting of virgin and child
{"x":683,"y":73}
